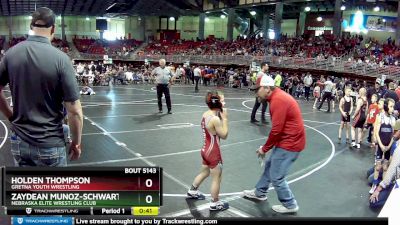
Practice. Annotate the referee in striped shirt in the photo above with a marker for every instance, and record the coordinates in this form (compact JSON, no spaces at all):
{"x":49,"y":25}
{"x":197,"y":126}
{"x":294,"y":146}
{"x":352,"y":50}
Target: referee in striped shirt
{"x":163,"y":80}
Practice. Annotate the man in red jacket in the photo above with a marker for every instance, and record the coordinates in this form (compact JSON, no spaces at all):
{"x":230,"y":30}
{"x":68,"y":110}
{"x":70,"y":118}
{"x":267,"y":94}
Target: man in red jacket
{"x":286,"y":140}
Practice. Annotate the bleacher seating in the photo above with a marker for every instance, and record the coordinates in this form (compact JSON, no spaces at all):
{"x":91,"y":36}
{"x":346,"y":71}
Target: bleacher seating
{"x":16,"y":40}
{"x":298,"y":46}
{"x":102,"y":47}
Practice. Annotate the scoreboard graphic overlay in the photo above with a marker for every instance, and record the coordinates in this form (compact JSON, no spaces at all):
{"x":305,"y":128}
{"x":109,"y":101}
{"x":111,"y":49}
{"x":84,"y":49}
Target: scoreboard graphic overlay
{"x":82,"y":191}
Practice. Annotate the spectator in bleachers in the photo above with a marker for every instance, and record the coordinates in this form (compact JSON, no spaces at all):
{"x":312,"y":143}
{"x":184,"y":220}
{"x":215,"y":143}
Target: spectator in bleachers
{"x":120,"y":47}
{"x":80,"y":69}
{"x":278,"y":80}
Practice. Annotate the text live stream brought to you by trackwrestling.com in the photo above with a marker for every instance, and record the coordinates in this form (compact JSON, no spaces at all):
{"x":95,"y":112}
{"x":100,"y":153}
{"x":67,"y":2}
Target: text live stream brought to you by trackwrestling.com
{"x":109,"y":195}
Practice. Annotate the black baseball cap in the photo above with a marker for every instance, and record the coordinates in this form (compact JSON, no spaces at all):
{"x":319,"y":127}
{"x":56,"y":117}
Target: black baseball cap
{"x":43,"y":17}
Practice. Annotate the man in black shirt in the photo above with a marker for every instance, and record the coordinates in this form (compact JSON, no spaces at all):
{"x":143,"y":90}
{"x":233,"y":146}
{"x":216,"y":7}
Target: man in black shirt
{"x":42,"y":80}
{"x":376,"y":89}
{"x":391,"y":93}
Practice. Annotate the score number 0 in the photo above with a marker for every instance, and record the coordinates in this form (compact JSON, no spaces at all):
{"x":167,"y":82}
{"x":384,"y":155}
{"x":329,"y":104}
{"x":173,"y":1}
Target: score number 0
{"x":149,"y":183}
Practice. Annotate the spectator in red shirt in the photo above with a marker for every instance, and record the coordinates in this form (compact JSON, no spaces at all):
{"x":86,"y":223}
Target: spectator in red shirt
{"x":373,"y":111}
{"x":287,"y":136}
{"x":398,"y":91}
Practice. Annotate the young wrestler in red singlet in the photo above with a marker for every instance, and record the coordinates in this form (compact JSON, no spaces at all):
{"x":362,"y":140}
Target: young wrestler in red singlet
{"x":214,"y":125}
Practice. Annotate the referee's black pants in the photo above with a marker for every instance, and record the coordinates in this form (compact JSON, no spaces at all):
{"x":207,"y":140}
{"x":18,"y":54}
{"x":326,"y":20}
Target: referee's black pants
{"x":196,"y":88}
{"x":257,"y":105}
{"x":307,"y":93}
{"x":328,"y":97}
{"x":163,"y":89}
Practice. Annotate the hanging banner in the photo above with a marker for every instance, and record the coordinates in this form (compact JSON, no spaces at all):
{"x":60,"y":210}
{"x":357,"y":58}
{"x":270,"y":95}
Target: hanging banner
{"x":373,"y":22}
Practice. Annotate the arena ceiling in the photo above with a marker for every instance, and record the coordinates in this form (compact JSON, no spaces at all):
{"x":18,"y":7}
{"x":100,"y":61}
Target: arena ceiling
{"x":101,"y":7}
{"x":118,"y":8}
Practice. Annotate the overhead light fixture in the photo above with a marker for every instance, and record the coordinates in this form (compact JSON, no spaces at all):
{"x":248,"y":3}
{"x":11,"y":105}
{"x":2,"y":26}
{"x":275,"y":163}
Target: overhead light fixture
{"x":319,"y":19}
{"x":384,"y":20}
{"x":59,"y":17}
{"x":343,"y":8}
{"x":109,"y":7}
{"x":223,"y":16}
{"x":307,"y":9}
{"x":207,"y":12}
{"x":108,"y":19}
{"x":253,"y":13}
{"x":207,"y":19}
{"x":30,"y":17}
{"x":87,"y":18}
{"x":376,"y":8}
{"x":139,"y":18}
{"x":172,"y":18}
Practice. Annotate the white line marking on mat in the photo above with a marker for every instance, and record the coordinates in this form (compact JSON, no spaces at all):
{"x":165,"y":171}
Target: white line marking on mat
{"x":244,"y":104}
{"x":153,"y":129}
{"x":239,"y":193}
{"x":5,"y":136}
{"x":161,"y":155}
{"x":147,"y":114}
{"x":141,"y":158}
{"x":175,"y":125}
{"x":291,"y":181}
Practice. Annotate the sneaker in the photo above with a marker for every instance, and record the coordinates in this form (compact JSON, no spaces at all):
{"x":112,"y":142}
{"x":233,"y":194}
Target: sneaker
{"x":374,"y":186}
{"x":219,"y":206}
{"x":254,"y":121}
{"x":264,"y":121}
{"x":314,"y":107}
{"x":353,"y":144}
{"x":196,"y":194}
{"x":358,"y":146}
{"x":339,"y":140}
{"x":169,"y":112}
{"x":283,"y":209}
{"x":252,"y":194}
{"x":160,"y":111}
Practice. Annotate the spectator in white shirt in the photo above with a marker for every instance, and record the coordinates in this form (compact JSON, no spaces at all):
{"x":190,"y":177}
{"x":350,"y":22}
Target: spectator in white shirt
{"x":307,"y":85}
{"x":197,"y":76}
